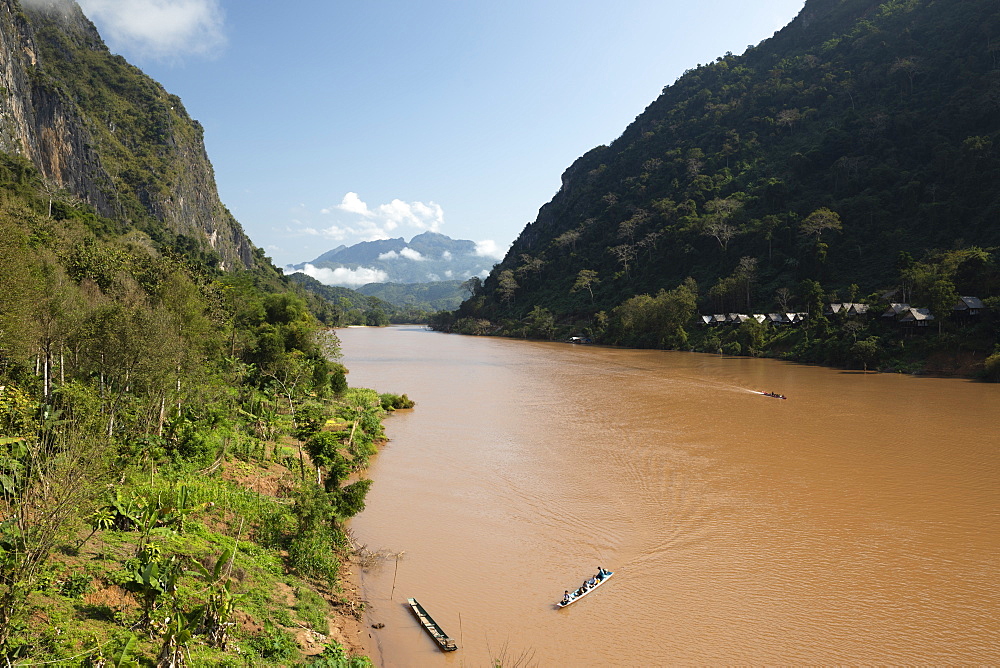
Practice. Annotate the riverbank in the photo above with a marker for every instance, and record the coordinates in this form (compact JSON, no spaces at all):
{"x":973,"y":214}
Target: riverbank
{"x":958,"y":348}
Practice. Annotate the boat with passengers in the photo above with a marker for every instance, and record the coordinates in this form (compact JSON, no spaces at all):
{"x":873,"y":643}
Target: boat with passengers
{"x":589,"y":585}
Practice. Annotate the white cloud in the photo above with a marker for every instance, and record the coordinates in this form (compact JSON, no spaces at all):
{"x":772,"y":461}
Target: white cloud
{"x":161,"y":29}
{"x":353,"y":204}
{"x":489,"y":248}
{"x":446,"y":255}
{"x":407,"y":253}
{"x":356,"y":221}
{"x":344,"y":276}
{"x":415,"y":214}
{"x":345,"y":233}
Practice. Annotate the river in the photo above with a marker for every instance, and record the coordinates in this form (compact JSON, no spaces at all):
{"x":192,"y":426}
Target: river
{"x":856,"y":522}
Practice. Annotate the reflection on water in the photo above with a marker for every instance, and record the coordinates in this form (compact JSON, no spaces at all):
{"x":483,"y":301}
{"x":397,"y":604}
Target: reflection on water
{"x":856,"y":522}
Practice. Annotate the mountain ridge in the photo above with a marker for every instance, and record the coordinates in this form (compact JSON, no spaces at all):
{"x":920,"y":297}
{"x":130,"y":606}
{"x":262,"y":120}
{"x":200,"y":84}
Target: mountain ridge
{"x":882,"y":113}
{"x":427,"y":257}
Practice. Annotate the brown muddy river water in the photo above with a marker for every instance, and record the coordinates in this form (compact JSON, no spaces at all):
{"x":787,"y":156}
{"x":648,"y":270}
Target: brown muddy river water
{"x":857,"y":522}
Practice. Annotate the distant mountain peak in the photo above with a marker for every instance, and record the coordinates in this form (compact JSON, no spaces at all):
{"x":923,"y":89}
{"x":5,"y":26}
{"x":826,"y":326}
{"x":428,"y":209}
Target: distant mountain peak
{"x":427,"y":257}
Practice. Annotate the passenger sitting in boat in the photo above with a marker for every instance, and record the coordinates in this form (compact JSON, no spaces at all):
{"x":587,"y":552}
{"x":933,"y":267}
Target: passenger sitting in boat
{"x":601,"y":573}
{"x":566,"y":597}
{"x":592,"y":582}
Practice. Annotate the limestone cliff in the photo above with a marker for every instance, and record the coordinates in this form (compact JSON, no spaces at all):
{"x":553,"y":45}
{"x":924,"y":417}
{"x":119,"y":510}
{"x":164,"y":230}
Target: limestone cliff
{"x":99,"y":128}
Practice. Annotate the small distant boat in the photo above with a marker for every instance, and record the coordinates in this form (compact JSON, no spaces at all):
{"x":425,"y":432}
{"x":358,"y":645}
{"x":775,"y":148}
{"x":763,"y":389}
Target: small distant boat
{"x":773,"y":394}
{"x":574,"y":597}
{"x":440,"y":637}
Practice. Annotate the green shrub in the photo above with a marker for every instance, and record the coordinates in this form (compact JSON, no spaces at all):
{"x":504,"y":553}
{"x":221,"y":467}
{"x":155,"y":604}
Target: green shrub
{"x":75,"y":584}
{"x":311,"y":555}
{"x":732,"y":348}
{"x":275,"y":644}
{"x":991,"y":368}
{"x":335,"y":656}
{"x":338,"y":381}
{"x":394,"y":401}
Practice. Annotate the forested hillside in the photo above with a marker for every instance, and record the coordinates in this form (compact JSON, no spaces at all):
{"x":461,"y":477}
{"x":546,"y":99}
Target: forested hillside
{"x":98,"y":128}
{"x":345,"y":307}
{"x":853,"y":155}
{"x":179,"y":446}
{"x":429,"y":297}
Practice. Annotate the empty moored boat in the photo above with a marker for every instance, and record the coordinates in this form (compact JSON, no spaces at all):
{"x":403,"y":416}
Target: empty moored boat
{"x":440,"y":637}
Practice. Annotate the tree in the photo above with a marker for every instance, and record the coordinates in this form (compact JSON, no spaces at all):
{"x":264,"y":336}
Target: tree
{"x":541,"y":323}
{"x":15,"y":299}
{"x":506,"y":286}
{"x":812,"y":294}
{"x":783,"y":296}
{"x":815,"y":224}
{"x":746,"y":273}
{"x":338,"y":379}
{"x":910,"y":67}
{"x":726,"y":294}
{"x":942,"y":296}
{"x":722,"y":231}
{"x":788,"y":117}
{"x":568,"y":238}
{"x":819,"y":221}
{"x":55,"y":308}
{"x":59,"y":477}
{"x":473,"y":286}
{"x":376,"y":318}
{"x":867,"y":351}
{"x":586,"y":280}
{"x":717,"y":225}
{"x":767,"y":226}
{"x":623,"y":254}
{"x":657,"y":321}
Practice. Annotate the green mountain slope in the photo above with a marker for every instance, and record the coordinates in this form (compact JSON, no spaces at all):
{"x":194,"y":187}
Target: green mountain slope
{"x":340,"y":307}
{"x":436,"y":296}
{"x":860,"y":131}
{"x":97,"y":127}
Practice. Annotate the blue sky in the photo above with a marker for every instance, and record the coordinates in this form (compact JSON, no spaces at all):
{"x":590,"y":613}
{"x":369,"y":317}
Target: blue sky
{"x":331,"y":122}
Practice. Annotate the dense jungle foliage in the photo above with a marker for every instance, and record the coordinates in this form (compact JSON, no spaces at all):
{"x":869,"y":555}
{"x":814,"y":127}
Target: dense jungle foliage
{"x":429,"y":297}
{"x":854,"y":155}
{"x":342,"y":307}
{"x":178,"y":449}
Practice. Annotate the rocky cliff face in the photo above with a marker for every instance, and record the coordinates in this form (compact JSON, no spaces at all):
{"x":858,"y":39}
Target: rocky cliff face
{"x":38,"y":122}
{"x":100,"y":129}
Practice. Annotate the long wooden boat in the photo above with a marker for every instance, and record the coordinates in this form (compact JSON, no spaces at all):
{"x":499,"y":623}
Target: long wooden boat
{"x":440,"y":637}
{"x":773,"y":395}
{"x":574,"y":597}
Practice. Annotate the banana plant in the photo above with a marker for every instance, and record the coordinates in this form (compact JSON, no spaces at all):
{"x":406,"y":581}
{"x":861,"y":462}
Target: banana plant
{"x":120,"y":658}
{"x":13,"y":450}
{"x":176,"y":636}
{"x":151,"y":581}
{"x":214,"y":617}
